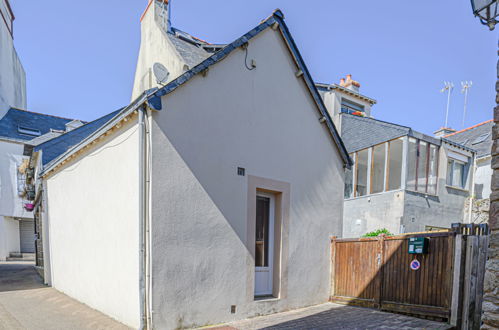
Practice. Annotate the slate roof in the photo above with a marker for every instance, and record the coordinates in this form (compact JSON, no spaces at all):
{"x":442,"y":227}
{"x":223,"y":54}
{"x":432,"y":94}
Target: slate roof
{"x":361,"y":132}
{"x":15,"y":118}
{"x":190,"y":53}
{"x":154,"y":97}
{"x":59,"y":145}
{"x":478,"y":137}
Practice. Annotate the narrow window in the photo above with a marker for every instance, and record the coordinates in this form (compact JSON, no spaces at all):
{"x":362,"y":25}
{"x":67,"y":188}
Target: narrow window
{"x":361,"y":184}
{"x":422,"y":166}
{"x":349,"y":181}
{"x":432,"y":170}
{"x":456,"y":173}
{"x":262,"y":232}
{"x":412,"y":158}
{"x":378,"y":169}
{"x":350,"y":107}
{"x":395,"y":164}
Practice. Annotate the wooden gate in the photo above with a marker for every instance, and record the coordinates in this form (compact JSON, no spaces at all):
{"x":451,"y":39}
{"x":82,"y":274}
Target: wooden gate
{"x":375,"y":272}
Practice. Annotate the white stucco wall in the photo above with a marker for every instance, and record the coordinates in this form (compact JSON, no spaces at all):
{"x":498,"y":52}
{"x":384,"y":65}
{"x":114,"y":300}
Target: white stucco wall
{"x":11,"y":205}
{"x":265,"y":121}
{"x":154,"y":47}
{"x":12,"y":77}
{"x":93,"y":223}
{"x":483,"y":176}
{"x":9,"y":236}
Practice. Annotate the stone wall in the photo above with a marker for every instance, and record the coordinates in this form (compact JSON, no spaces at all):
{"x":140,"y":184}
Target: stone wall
{"x":491,"y":287}
{"x":479,"y":212}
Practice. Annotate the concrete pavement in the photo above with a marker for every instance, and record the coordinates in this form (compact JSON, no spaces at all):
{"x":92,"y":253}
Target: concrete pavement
{"x":26,"y":303}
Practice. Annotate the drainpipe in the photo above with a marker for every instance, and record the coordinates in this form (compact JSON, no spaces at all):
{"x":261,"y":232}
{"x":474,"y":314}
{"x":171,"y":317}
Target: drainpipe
{"x":142,"y":221}
{"x":472,"y":197}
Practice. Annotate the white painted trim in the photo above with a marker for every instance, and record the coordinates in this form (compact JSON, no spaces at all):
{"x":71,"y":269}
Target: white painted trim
{"x":270,"y":268}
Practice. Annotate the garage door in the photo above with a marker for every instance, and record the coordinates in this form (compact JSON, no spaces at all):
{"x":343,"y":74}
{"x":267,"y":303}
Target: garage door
{"x":27,"y":236}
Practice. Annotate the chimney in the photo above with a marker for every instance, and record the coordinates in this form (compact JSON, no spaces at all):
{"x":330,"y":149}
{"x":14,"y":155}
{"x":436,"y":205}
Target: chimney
{"x":350,"y":83}
{"x":443,"y":131}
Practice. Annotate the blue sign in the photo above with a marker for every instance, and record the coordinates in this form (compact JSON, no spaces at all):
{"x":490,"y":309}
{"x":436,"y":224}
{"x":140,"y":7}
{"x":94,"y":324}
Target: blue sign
{"x":415,"y":264}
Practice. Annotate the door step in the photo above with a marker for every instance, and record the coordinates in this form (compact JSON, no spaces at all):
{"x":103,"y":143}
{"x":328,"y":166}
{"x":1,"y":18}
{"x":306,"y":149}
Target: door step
{"x":18,"y":256}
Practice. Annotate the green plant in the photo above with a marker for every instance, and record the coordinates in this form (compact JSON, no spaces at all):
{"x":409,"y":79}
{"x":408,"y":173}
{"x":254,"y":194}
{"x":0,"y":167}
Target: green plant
{"x":377,"y":233}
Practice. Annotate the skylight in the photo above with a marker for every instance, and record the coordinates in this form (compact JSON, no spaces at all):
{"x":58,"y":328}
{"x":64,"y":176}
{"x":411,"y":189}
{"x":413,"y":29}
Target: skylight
{"x":28,"y":131}
{"x":481,"y":138}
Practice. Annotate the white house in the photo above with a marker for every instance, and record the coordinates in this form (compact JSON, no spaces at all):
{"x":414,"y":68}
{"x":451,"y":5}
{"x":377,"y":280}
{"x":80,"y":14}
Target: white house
{"x":210,"y":199}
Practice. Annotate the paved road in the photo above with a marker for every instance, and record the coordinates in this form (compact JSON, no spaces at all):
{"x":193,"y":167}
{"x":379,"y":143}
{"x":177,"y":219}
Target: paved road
{"x":26,"y":303}
{"x":333,"y":316}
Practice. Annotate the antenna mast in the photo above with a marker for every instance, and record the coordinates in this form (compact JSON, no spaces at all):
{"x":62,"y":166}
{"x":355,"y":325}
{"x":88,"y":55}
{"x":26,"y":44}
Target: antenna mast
{"x":466,"y":85}
{"x":448,"y":86}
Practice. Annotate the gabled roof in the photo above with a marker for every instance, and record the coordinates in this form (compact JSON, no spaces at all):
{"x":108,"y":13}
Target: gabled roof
{"x":153,"y":97}
{"x":16,"y":118}
{"x":361,"y":132}
{"x":59,"y":145}
{"x":276,"y":20}
{"x":477,"y":137}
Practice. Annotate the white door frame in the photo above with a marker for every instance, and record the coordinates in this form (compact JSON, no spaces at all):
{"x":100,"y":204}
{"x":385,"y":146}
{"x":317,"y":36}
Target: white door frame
{"x":266,"y":274}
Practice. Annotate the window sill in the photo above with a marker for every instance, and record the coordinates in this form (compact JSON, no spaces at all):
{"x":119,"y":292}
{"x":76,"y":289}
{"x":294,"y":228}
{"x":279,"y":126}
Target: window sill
{"x":457,"y":188}
{"x":375,"y":194}
{"x":266,"y":299}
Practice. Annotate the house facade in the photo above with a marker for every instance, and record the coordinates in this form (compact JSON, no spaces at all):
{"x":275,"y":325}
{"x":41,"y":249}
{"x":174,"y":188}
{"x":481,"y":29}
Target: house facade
{"x":479,"y":138}
{"x":13,"y":77}
{"x":402,"y":180}
{"x":16,"y":225}
{"x":187,"y":211}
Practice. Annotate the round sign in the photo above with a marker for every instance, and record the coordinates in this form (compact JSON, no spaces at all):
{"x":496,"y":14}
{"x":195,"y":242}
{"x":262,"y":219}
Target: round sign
{"x":415,"y":264}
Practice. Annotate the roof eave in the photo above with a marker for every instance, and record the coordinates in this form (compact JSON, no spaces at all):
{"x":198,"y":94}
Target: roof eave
{"x":139,"y":101}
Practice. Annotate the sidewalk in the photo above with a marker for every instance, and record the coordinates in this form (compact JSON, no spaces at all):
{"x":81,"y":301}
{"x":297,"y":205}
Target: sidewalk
{"x":26,"y":303}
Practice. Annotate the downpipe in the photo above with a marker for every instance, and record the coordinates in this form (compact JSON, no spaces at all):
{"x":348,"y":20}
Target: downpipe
{"x":144,"y":291}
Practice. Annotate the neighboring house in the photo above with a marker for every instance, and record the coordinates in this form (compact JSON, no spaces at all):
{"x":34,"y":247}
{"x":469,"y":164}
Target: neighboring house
{"x":12,"y":75}
{"x":402,"y":180}
{"x":20,"y":130}
{"x":345,"y":98}
{"x":210,"y":199}
{"x":478,"y":137}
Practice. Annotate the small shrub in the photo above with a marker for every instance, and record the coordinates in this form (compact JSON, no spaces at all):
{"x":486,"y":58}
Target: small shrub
{"x":378,"y":232}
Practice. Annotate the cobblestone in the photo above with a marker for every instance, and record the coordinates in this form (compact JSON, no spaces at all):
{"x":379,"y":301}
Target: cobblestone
{"x":333,"y":316}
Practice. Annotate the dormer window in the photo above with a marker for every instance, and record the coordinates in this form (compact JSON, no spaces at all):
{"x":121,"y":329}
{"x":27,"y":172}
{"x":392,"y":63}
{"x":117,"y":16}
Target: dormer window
{"x":352,"y":108}
{"x":28,"y":131}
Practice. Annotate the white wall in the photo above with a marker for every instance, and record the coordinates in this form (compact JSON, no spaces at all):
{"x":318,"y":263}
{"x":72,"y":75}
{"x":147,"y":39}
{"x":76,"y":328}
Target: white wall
{"x":483,"y":177}
{"x":9,"y":236}
{"x":154,"y":47}
{"x":93,"y":223}
{"x":11,"y":205}
{"x":265,"y":121}
{"x":12,"y":77}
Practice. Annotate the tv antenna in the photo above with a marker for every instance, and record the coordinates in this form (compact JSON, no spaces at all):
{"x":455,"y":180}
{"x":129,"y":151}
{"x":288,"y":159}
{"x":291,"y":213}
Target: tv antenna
{"x":466,"y":85}
{"x":448,"y":86}
{"x":161,"y":73}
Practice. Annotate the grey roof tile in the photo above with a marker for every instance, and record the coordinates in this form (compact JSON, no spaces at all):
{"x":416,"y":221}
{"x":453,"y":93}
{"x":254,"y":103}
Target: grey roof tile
{"x":361,"y":132}
{"x":57,"y":146}
{"x":15,"y":118}
{"x":478,"y":137}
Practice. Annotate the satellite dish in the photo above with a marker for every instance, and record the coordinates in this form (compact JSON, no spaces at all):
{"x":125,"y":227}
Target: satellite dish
{"x":160,"y":72}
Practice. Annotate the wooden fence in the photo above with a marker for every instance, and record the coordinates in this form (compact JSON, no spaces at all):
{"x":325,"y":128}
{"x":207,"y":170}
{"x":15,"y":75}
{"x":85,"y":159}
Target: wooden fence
{"x":375,"y":272}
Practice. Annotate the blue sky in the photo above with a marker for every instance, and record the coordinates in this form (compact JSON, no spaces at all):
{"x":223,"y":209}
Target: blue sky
{"x":80,"y":56}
